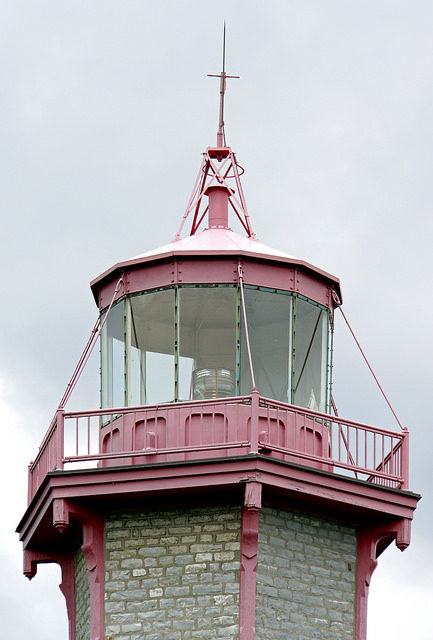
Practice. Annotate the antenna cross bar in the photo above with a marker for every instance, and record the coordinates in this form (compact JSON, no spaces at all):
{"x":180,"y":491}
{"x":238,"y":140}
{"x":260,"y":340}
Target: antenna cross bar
{"x":223,"y":77}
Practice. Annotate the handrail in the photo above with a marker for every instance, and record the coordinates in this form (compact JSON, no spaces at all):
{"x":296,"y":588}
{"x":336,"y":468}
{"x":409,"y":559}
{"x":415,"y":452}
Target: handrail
{"x":155,"y":407}
{"x":342,"y":465}
{"x":331,"y":418}
{"x":47,"y":437}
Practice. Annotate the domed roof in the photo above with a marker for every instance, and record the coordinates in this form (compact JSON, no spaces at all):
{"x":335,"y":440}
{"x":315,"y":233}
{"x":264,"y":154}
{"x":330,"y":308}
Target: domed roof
{"x":213,"y":242}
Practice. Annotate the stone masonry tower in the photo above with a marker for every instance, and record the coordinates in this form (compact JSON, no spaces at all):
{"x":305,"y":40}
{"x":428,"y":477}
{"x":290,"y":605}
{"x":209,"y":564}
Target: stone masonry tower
{"x":215,"y":495}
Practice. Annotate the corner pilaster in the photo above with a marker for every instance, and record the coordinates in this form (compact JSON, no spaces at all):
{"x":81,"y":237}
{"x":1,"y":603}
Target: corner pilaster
{"x":93,"y":550}
{"x":248,"y":559}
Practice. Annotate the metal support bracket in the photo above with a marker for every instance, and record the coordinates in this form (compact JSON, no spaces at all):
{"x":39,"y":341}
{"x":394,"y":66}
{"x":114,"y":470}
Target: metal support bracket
{"x":372,"y":541}
{"x":93,"y":549}
{"x":67,"y":585}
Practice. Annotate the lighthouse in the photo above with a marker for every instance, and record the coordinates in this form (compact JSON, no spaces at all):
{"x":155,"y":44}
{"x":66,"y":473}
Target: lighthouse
{"x":215,"y":493}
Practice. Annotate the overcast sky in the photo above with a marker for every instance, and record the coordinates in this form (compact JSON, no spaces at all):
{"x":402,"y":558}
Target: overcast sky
{"x":106,"y":107}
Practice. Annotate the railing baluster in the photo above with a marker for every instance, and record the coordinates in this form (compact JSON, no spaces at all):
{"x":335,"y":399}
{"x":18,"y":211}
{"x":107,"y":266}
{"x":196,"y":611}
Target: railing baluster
{"x":365,"y":449}
{"x":305,"y":432}
{"x":186,"y":436}
{"x":226,"y":425}
{"x":347,"y":443}
{"x":294,"y":420}
{"x":76,"y":435}
{"x":268,"y":425}
{"x":357,"y":446}
{"x":391,"y":457}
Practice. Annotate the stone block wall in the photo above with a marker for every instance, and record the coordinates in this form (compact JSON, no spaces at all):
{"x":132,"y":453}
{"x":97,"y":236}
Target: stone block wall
{"x":172,"y":574}
{"x":82,"y":598}
{"x":306,"y":578}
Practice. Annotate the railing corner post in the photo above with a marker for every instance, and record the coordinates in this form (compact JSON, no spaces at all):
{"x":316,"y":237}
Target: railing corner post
{"x":60,"y":438}
{"x":254,"y":435}
{"x":405,"y":459}
{"x":30,"y":483}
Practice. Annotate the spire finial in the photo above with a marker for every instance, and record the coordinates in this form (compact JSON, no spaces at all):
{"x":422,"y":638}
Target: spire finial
{"x":219,"y":169}
{"x":221,"y":136}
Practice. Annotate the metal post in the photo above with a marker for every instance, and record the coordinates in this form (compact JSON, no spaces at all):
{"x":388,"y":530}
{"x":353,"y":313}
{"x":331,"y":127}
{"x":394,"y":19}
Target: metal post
{"x":405,"y":459}
{"x":60,"y":438}
{"x":254,"y":435}
{"x":30,"y":483}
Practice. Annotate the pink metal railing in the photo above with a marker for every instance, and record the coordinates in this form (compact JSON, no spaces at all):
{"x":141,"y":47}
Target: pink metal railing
{"x":49,"y":457}
{"x":363,"y":451}
{"x":222,"y":427}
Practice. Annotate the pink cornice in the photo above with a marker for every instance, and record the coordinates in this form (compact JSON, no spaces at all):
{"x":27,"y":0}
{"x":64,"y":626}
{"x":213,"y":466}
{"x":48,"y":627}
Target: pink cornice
{"x":303,"y":483}
{"x":211,"y":245}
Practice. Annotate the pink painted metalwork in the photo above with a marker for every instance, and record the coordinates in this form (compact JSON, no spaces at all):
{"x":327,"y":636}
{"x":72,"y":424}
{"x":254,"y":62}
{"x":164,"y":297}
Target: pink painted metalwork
{"x":207,"y":429}
{"x":372,"y":541}
{"x":218,"y":206}
{"x":219,"y":167}
{"x":222,"y":268}
{"x":67,"y":585}
{"x":93,"y":549}
{"x":248,"y":559}
{"x":223,"y":76}
{"x":208,"y":257}
{"x":301,"y":482}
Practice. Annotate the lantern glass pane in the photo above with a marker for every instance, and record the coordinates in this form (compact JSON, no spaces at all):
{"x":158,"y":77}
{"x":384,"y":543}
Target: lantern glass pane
{"x":207,"y":342}
{"x":113,"y":358}
{"x":268,"y":318}
{"x":310,"y":345}
{"x":151,"y":350}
